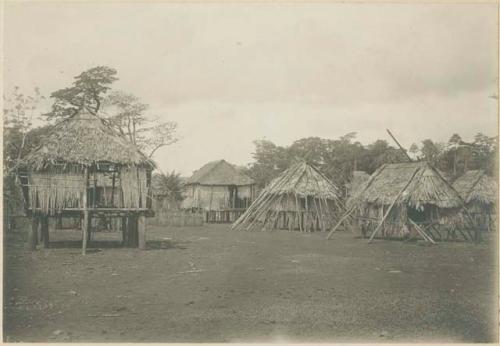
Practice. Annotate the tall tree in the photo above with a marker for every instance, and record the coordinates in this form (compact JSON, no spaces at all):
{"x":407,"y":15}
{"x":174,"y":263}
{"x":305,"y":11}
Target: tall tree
{"x":414,"y":150}
{"x":269,"y":161}
{"x":85,"y":94}
{"x":18,"y":114}
{"x":430,"y":151}
{"x":169,"y":184}
{"x":127,"y":114}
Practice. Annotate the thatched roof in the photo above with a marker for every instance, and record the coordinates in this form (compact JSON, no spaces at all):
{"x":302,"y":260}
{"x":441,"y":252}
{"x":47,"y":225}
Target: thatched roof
{"x":476,"y":186}
{"x":286,"y":193}
{"x":422,"y":185}
{"x":84,"y":139}
{"x":303,"y":180}
{"x":357,"y":180}
{"x":219,"y":173}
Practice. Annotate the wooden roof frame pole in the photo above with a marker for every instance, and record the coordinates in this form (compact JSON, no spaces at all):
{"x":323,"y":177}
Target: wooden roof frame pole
{"x":399,"y":145}
{"x":392,"y":205}
{"x":346,"y":215}
{"x":372,"y":178}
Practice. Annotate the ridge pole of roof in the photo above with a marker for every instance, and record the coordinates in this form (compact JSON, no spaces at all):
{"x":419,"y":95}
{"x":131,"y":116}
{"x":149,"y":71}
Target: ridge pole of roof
{"x":399,"y":145}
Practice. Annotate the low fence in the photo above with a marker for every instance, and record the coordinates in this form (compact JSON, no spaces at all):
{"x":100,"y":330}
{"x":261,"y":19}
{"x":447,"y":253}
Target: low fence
{"x":223,"y":216}
{"x":177,"y":218}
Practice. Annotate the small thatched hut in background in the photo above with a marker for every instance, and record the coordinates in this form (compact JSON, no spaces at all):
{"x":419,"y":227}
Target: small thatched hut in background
{"x":84,"y":169}
{"x":300,"y":198}
{"x":403,"y":200}
{"x":479,"y":191}
{"x":220,"y":190}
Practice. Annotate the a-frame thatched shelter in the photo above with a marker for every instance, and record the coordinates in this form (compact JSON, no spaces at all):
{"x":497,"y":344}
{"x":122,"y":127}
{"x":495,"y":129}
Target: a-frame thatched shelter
{"x":405,"y":200}
{"x":300,"y":198}
{"x":220,"y":190}
{"x":84,"y":169}
{"x":479,"y":191}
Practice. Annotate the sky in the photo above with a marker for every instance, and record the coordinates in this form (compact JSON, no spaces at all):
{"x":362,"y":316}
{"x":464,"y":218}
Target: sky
{"x":232,"y":73}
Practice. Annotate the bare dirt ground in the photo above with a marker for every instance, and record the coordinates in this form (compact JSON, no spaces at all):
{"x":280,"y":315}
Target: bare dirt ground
{"x":213,"y":284}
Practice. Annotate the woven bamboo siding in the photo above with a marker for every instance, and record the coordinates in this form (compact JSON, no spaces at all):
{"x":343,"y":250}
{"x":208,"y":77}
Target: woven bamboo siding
{"x":52,"y":192}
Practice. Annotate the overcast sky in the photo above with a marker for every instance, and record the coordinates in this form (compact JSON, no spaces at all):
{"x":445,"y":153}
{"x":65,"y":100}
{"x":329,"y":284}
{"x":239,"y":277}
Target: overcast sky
{"x":233,"y":73}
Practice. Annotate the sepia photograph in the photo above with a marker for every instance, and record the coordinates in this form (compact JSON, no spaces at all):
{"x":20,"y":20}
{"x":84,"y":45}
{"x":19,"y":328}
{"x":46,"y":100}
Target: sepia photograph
{"x":250,"y":172}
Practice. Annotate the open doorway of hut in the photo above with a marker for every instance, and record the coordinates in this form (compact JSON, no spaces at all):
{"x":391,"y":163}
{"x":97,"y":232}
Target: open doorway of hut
{"x":419,"y":215}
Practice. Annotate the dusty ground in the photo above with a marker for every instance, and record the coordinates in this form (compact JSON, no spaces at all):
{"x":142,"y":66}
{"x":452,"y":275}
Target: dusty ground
{"x":214,"y":284}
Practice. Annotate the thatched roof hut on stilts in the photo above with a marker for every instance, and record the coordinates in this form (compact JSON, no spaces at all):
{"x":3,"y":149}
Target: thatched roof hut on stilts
{"x":408,"y":200}
{"x":479,"y":191}
{"x":220,"y":190}
{"x":84,"y":169}
{"x":301,"y":198}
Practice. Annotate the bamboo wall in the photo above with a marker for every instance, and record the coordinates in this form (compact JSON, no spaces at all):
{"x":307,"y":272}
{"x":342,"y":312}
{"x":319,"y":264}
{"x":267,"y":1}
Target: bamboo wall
{"x":56,"y":190}
{"x":217,"y":197}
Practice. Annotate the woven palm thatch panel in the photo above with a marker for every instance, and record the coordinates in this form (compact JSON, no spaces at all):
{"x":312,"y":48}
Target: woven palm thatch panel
{"x":53,"y":192}
{"x":427,"y":186}
{"x":134,"y":187}
{"x":208,"y":198}
{"x":84,"y":139}
{"x":213,"y":197}
{"x":357,"y":181}
{"x":476,"y":187}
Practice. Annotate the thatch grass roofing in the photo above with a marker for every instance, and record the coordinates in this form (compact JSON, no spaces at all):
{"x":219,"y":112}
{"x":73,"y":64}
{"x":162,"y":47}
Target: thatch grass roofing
{"x":476,"y":186}
{"x":219,"y":173}
{"x":85,"y":139}
{"x":356,"y":182}
{"x":422,"y":185}
{"x":303,"y":180}
{"x":299,"y":183}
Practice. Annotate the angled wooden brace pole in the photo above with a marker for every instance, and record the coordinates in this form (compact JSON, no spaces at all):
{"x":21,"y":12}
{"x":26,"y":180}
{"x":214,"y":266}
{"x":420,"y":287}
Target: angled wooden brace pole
{"x":422,"y":232}
{"x":391,"y":206}
{"x":346,"y":215}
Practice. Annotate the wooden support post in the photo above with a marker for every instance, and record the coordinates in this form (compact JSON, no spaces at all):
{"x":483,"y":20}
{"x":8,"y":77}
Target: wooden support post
{"x":45,"y":230}
{"x":124,"y":230}
{"x":132,"y":231}
{"x":59,"y":224}
{"x":90,"y":227}
{"x":141,"y":226}
{"x":33,"y":235}
{"x":85,"y":227}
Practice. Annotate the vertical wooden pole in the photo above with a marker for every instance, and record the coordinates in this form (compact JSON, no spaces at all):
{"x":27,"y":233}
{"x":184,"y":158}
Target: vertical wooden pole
{"x":141,"y":227}
{"x":132,"y":231}
{"x":124,"y":230}
{"x":85,"y":223}
{"x":92,"y":224}
{"x":33,"y":235}
{"x":45,"y":230}
{"x":113,"y":182}
{"x":85,"y":227}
